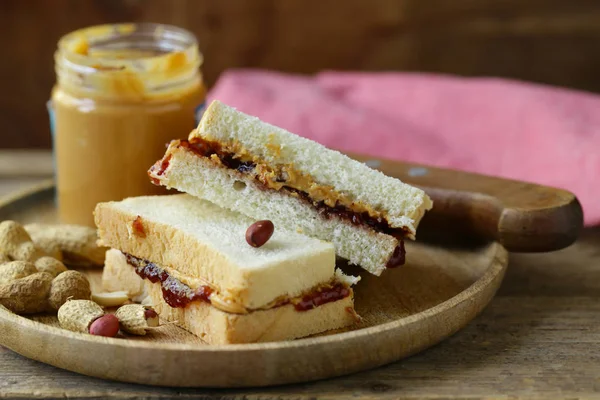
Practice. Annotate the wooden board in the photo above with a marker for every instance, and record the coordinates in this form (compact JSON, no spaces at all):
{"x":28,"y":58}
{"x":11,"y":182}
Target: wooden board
{"x":469,"y":207}
{"x":405,"y":311}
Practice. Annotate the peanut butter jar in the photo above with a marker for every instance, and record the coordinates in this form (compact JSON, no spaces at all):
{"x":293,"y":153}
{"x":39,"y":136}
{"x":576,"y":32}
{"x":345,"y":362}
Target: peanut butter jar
{"x":122,"y":93}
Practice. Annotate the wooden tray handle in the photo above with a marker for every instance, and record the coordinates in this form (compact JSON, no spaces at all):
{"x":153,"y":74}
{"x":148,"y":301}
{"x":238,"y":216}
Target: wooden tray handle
{"x":523,"y":217}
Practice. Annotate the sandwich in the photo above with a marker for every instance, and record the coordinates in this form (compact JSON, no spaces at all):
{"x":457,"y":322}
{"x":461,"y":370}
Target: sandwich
{"x":194,"y":263}
{"x":265,"y":172}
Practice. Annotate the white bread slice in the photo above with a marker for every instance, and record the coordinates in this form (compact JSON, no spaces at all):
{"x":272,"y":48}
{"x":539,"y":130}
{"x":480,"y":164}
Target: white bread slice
{"x":116,"y":278}
{"x":228,"y":188}
{"x":403,"y":205}
{"x":217,"y":327}
{"x":196,"y":239}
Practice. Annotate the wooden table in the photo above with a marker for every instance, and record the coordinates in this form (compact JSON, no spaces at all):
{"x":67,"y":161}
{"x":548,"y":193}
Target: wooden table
{"x":539,"y":338}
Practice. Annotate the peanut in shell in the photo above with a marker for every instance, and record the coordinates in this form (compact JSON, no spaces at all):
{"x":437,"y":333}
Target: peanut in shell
{"x":11,"y":235}
{"x":77,"y":244}
{"x":16,"y":243}
{"x":27,"y":295}
{"x":78,"y":315}
{"x":133,"y":318}
{"x":27,"y":251}
{"x":50,"y":265}
{"x":68,"y":285}
{"x":14,"y":270}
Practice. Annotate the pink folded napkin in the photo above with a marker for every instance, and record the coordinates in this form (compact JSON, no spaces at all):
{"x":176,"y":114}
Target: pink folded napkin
{"x":499,"y":127}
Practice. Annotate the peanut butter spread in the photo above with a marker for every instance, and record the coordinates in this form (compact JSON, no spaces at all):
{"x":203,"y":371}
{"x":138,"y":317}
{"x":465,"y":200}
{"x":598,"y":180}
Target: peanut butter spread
{"x":179,"y":290}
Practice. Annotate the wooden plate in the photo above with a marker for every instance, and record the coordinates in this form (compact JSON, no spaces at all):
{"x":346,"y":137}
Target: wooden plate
{"x":405,"y":311}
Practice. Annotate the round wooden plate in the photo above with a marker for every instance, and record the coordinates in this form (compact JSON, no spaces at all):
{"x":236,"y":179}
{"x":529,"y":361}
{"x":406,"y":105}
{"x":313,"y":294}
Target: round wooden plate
{"x":404,"y":311}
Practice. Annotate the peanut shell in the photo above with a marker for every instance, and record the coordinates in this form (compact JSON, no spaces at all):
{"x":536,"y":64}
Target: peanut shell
{"x":13,"y":270}
{"x":4,"y":258}
{"x":50,"y":265}
{"x":27,"y":251}
{"x":133,"y":319}
{"x":77,"y":243}
{"x":11,"y":235}
{"x":51,"y":248}
{"x":68,"y":285}
{"x":77,"y":315}
{"x":27,"y":295}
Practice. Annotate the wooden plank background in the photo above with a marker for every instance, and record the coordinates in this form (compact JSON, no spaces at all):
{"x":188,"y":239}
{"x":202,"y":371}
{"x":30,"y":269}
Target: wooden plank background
{"x":549,"y":41}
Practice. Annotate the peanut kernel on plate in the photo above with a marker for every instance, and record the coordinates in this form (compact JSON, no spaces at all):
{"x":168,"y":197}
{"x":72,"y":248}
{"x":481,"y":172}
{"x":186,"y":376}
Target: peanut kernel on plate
{"x":110,"y":299}
{"x":136,"y":318}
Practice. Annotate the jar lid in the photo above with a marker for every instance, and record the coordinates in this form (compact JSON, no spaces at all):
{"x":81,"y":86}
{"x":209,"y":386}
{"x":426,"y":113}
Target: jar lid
{"x":128,"y":60}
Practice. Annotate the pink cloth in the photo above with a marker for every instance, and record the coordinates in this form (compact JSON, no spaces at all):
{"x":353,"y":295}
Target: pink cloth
{"x":499,"y":127}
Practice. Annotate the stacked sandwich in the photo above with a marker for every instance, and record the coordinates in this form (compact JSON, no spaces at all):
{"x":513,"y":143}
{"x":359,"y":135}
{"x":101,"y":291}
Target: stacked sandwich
{"x":247,"y":253}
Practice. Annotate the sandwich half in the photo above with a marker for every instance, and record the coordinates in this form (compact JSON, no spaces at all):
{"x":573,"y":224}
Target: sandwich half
{"x":265,"y":172}
{"x":198,"y":271}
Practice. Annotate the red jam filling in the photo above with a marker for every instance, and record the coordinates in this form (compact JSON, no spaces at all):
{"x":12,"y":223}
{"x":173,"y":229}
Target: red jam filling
{"x":159,"y":169}
{"x":322,"y":296}
{"x":138,"y":227}
{"x":175,"y":293}
{"x":398,"y":258}
{"x":179,"y":295}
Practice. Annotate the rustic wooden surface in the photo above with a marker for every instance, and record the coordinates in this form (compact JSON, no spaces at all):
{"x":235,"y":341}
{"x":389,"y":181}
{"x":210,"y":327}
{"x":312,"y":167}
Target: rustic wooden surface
{"x":539,"y":338}
{"x":549,"y":41}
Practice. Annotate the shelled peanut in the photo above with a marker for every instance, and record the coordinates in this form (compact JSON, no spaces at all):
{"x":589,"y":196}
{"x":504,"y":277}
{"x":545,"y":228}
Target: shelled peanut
{"x":88,"y":317}
{"x":136,"y":318}
{"x":34,"y":281}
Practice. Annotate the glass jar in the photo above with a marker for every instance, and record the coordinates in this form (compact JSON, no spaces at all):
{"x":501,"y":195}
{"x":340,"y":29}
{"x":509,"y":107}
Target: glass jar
{"x":122,"y":92}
